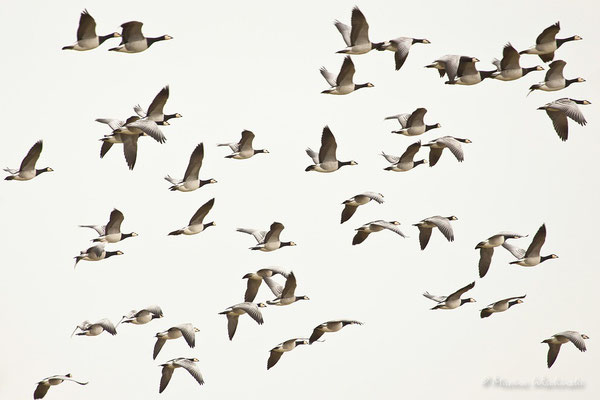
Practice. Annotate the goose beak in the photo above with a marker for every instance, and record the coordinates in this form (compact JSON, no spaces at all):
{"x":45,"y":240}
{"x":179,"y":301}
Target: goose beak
{"x":425,"y":41}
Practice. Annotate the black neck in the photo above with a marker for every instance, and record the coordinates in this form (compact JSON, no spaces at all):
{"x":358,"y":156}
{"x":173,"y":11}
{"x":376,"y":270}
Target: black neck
{"x":111,"y":253}
{"x":512,"y":303}
{"x":206,"y":182}
{"x":559,"y":42}
{"x":545,"y":258}
{"x":463,"y":301}
{"x":428,"y":127}
{"x":155,"y":39}
{"x":41,"y":171}
{"x":360,"y":86}
{"x":342,"y":163}
{"x":528,"y":70}
{"x":569,"y":81}
{"x":418,"y":163}
{"x":209,"y":224}
{"x":283,"y":244}
{"x":259,"y":151}
{"x":126,"y":235}
{"x":486,"y":74}
{"x":169,"y":116}
{"x":101,"y":39}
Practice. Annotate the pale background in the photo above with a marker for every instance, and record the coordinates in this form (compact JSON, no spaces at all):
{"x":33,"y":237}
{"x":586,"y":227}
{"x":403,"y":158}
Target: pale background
{"x":249,"y":65}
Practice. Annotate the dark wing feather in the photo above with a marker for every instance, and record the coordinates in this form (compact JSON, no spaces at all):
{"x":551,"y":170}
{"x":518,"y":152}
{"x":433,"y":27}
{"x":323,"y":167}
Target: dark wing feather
{"x":328,"y":149}
{"x":195,"y":163}
{"x":115,"y":221}
{"x":202,"y":211}
{"x":157,"y":105}
{"x":87,"y":26}
{"x":32,"y":156}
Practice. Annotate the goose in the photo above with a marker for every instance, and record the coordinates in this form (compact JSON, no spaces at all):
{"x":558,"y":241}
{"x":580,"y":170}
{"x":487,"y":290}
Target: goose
{"x":129,"y":142}
{"x":267,"y":241}
{"x":467,"y":74}
{"x":406,"y":161}
{"x":94,"y":329}
{"x":189,"y":364}
{"x":233,"y":313}
{"x":561,"y":338}
{"x":255,"y":279}
{"x":400,"y":46}
{"x":155,"y":110}
{"x":426,"y":227}
{"x":546,"y":43}
{"x":486,"y":249}
{"x":531,"y":257}
{"x":326,"y":160}
{"x":559,"y":110}
{"x":330,"y":326}
{"x":285,"y":294}
{"x":44,"y":384}
{"x":133,"y":41}
{"x":342,"y":84}
{"x":143,"y":316}
{"x":501,"y":305}
{"x":243,"y":149}
{"x":354,"y":202}
{"x":27,"y":169}
{"x":554,"y":79}
{"x":111,"y":232}
{"x":448,"y":65}
{"x":452,"y":301}
{"x":86,"y":34}
{"x":190,"y":181}
{"x":412,"y":123}
{"x":437,"y":146}
{"x":187,"y":331}
{"x":277,"y":351}
{"x":357,"y":36}
{"x":96,"y":253}
{"x":509,"y":68}
{"x":196,"y":224}
{"x":375,"y":226}
{"x":138,"y":127}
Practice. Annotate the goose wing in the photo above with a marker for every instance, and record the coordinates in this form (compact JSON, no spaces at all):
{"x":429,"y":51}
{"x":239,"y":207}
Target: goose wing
{"x":193,"y":168}
{"x":115,"y":221}
{"x":246,"y":141}
{"x":346,"y":74}
{"x":456,"y":295}
{"x":360,"y":28}
{"x":155,"y":110}
{"x":510,"y":58}
{"x":345,"y":31}
{"x":536,"y":244}
{"x":87,"y":26}
{"x":201,"y":213}
{"x":443,"y":224}
{"x":32,"y":156}
{"x":192,"y":368}
{"x":416,"y":118}
{"x":327,"y":152}
{"x":556,"y":70}
{"x":132,"y":32}
{"x":548,"y":34}
{"x":575,"y":338}
{"x":410,"y":152}
{"x":150,"y":128}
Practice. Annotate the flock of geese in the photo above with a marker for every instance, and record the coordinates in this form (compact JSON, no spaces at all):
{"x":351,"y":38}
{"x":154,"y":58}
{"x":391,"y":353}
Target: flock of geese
{"x":459,"y":69}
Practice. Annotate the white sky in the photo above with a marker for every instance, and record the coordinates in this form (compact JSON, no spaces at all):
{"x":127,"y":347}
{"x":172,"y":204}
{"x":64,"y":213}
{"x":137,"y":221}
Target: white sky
{"x":239,"y":65}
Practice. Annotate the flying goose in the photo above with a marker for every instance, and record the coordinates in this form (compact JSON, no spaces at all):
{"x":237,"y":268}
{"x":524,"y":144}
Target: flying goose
{"x":243,"y":149}
{"x":400,"y":46}
{"x":196,"y":224}
{"x":190,"y":179}
{"x":406,"y":161}
{"x":426,"y":227}
{"x":143,"y":316}
{"x":467,"y":74}
{"x":554,"y":79}
{"x":437,"y":146}
{"x":357,"y":36}
{"x":233,"y":313}
{"x":44,"y":384}
{"x":375,"y":226}
{"x":188,"y":331}
{"x":559,"y":110}
{"x":285,"y":294}
{"x":326,"y":160}
{"x":452,"y":301}
{"x":353,"y":203}
{"x":133,"y":41}
{"x":86,"y":34}
{"x":509,"y":69}
{"x":449,"y":64}
{"x":189,"y":364}
{"x":94,"y":329}
{"x":546,"y":43}
{"x":531,"y":257}
{"x":138,"y":127}
{"x":501,"y":305}
{"x":342,"y":84}
{"x":155,"y":110}
{"x":96,"y":253}
{"x":267,"y":241}
{"x":412,"y":123}
{"x":486,"y":249}
{"x":111,"y":232}
{"x":129,"y":142}
{"x":330,"y":326}
{"x":288,"y":345}
{"x":27,"y":169}
{"x":561,"y":338}
{"x":256,"y":278}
